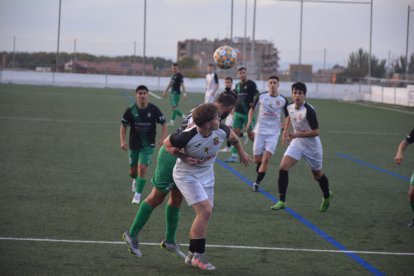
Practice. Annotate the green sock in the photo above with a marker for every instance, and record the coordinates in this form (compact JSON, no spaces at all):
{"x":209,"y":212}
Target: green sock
{"x":172,"y":217}
{"x":412,"y":206}
{"x":174,"y":114}
{"x":140,"y":184}
{"x":178,"y":112}
{"x":233,"y":151}
{"x":142,"y":216}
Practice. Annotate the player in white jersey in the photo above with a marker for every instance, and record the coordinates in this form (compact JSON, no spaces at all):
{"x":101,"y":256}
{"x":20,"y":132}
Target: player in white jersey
{"x":304,"y":142}
{"x":196,"y":182}
{"x":271,"y":105}
{"x":212,"y":84}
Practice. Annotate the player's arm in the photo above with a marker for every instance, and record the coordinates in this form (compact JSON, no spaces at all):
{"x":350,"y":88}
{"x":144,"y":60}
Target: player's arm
{"x":234,"y":141}
{"x":400,"y":152}
{"x":249,"y":117}
{"x":176,"y":150}
{"x":167,"y":89}
{"x":122,"y":135}
{"x":183,"y":89}
{"x":402,"y":146}
{"x":163,"y":133}
{"x":285,"y":133}
{"x":126,"y":119}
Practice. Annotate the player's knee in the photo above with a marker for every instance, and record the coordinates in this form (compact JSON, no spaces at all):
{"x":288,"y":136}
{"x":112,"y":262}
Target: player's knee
{"x":142,"y":170}
{"x":155,"y":199}
{"x":133,"y":172}
{"x":411,"y":194}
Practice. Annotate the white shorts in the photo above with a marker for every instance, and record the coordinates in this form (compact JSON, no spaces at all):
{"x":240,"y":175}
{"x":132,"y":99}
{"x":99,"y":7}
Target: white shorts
{"x":310,"y":150}
{"x":195,"y":188}
{"x":264,"y":143}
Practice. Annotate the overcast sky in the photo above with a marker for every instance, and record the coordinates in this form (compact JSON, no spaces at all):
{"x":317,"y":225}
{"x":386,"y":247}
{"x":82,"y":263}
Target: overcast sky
{"x":110,"y":27}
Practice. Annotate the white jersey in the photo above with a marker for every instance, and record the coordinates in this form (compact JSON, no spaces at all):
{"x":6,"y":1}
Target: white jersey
{"x":270,"y":112}
{"x":203,"y":148}
{"x":304,"y":119}
{"x":211,"y":83}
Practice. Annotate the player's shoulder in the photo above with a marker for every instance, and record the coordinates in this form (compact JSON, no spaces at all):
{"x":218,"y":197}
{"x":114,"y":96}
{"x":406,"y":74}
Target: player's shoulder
{"x":224,"y":129}
{"x":263,"y":93}
{"x":309,"y":107}
{"x":180,"y":139}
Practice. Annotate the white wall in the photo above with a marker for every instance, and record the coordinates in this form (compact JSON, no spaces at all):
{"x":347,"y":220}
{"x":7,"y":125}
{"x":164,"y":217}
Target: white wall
{"x":347,"y":92}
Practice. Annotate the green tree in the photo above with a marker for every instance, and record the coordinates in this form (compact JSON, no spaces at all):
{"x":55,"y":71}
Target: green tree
{"x":187,"y":63}
{"x":358,"y":65}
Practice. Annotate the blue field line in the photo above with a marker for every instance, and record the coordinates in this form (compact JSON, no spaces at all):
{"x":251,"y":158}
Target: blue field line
{"x":366,"y":164}
{"x":306,"y":222}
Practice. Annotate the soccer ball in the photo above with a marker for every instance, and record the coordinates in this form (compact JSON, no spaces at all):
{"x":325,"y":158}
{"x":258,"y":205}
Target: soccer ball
{"x":225,"y":57}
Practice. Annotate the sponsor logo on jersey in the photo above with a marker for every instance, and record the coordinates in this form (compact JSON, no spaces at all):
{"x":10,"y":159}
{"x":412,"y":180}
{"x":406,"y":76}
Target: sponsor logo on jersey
{"x":198,"y":145}
{"x":216,"y":141}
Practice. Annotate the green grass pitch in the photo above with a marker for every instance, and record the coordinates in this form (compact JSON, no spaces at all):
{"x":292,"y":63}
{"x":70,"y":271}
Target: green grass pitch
{"x":63,"y":176}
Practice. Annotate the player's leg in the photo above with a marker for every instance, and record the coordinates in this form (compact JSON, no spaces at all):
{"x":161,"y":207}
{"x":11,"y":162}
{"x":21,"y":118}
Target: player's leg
{"x":250,"y":132}
{"x":144,"y":161}
{"x":237,"y":126}
{"x":198,"y":233}
{"x":283,"y":180}
{"x":411,"y":197}
{"x":172,"y":216}
{"x":324,"y":185}
{"x":133,"y":167}
{"x":258,"y":150}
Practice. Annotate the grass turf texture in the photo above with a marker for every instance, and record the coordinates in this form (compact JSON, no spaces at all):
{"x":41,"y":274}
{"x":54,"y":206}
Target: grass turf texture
{"x":63,"y":176}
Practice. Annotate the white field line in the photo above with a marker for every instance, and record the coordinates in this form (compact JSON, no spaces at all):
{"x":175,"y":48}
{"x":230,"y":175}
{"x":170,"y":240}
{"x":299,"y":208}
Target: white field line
{"x":383,"y":108}
{"x":220,"y":246}
{"x":155,"y":95}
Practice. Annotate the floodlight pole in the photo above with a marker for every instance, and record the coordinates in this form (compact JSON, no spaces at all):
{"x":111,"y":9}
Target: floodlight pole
{"x":406,"y":44}
{"x":252,"y":59}
{"x":145,"y":36}
{"x":300,"y":41}
{"x":231,"y":20}
{"x":58,"y":37}
{"x":245,"y":33}
{"x":370,"y":44}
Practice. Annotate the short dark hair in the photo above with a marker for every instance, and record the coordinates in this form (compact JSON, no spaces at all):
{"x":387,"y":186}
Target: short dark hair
{"x":227,"y":98}
{"x":273,"y":77}
{"x":204,"y":113}
{"x":299,"y":86}
{"x":229,"y":78}
{"x":241,"y":68}
{"x":141,"y":87}
{"x":175,"y":64}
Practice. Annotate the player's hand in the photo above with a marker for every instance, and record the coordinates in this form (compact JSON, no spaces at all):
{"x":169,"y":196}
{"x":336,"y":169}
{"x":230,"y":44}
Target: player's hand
{"x":124,"y":146}
{"x":285,"y":138}
{"x":190,"y":160}
{"x":173,"y":150}
{"x":291,"y":136}
{"x":160,"y":142}
{"x":398,"y":158}
{"x":245,"y":159}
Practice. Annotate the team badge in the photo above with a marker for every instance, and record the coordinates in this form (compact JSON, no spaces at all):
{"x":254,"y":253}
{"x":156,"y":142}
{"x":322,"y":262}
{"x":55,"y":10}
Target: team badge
{"x":216,"y":141}
{"x":206,"y":150}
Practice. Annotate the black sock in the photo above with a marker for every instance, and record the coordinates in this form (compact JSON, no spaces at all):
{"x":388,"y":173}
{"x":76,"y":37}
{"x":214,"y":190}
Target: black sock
{"x":241,"y":134}
{"x":283,"y":184}
{"x":228,"y":144}
{"x":258,"y":166}
{"x":199,"y":245}
{"x":191,"y":248}
{"x":260,"y":176}
{"x":324,"y":184}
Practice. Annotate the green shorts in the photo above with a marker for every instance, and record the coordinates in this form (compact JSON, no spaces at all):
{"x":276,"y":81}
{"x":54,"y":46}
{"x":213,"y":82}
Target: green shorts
{"x":174,"y":99}
{"x":240,"y":121}
{"x":412,"y":179}
{"x":163,"y":176}
{"x":142,"y":156}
